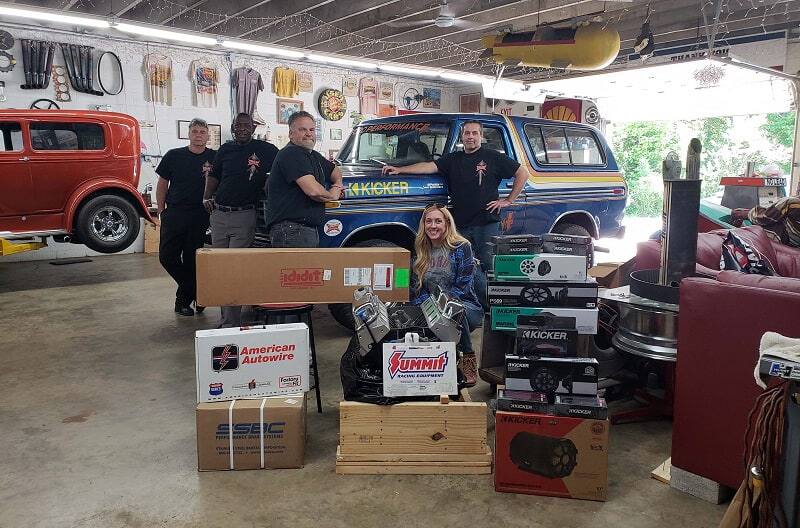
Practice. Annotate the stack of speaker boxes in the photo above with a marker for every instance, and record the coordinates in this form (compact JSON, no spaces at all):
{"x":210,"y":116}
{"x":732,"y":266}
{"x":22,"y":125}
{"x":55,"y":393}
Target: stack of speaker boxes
{"x":551,"y":427}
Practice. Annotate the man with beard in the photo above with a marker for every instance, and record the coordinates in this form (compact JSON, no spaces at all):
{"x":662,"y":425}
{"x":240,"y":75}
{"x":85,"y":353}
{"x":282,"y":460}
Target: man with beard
{"x":179,"y":194}
{"x":302,"y":180}
{"x":232,"y":191}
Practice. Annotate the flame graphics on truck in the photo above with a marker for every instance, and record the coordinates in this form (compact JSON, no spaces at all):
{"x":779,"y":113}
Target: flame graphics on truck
{"x":400,"y":363}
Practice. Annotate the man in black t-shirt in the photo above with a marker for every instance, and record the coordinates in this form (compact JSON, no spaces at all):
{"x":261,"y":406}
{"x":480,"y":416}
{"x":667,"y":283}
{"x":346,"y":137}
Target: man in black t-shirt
{"x":232,"y":192}
{"x":302,"y":180}
{"x":179,"y":195}
{"x":473,"y":177}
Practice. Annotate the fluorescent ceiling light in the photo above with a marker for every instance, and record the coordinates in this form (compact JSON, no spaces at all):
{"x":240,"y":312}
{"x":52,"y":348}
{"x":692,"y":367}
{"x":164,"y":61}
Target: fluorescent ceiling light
{"x":53,"y":17}
{"x":464,"y":77}
{"x":269,"y":50}
{"x":343,"y":62}
{"x":166,"y":34}
{"x":408,"y":71}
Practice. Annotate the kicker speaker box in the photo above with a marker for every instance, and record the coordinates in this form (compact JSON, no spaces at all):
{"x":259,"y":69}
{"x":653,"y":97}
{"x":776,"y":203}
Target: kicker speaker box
{"x":542,"y":335}
{"x":552,"y":375}
{"x":569,"y":245}
{"x":506,"y":317}
{"x":523,"y":401}
{"x":514,"y":249}
{"x":564,"y":405}
{"x":540,"y":267}
{"x":557,"y":456}
{"x":515,"y":239}
{"x":543,"y":294}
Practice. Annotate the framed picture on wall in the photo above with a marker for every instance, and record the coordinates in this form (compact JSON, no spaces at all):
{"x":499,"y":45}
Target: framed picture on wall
{"x":386,"y":92}
{"x":336,"y":134}
{"x":305,"y":82}
{"x":285,"y":108}
{"x":432,"y":98}
{"x":214,"y":136}
{"x":183,"y":129}
{"x":350,"y":86}
{"x":470,"y":103}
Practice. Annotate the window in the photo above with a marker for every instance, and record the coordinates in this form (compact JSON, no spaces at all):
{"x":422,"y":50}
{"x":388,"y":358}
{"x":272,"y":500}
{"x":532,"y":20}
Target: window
{"x":534,"y":134}
{"x":563,"y":146}
{"x":555,"y":144}
{"x":583,"y":147}
{"x":11,"y":135}
{"x":399,"y":143}
{"x":67,"y":136}
{"x":493,"y":139}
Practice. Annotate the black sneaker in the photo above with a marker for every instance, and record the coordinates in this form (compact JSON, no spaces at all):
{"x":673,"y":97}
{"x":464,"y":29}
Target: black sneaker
{"x":183,"y":309}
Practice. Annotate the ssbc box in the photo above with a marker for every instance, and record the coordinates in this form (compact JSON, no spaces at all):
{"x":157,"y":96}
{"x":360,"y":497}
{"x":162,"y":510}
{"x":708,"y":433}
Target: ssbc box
{"x":544,"y":294}
{"x":542,"y":267}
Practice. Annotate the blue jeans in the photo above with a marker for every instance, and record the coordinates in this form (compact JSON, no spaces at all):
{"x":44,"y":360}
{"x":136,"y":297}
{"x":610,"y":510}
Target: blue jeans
{"x":478,"y":237}
{"x":473,"y":319}
{"x":290,"y":234}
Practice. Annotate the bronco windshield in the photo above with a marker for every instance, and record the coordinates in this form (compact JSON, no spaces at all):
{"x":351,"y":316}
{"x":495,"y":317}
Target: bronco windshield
{"x":401,"y":143}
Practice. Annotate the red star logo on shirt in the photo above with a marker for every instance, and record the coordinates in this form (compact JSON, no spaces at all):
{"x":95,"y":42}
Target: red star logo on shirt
{"x":253,"y":163}
{"x":480,"y":170}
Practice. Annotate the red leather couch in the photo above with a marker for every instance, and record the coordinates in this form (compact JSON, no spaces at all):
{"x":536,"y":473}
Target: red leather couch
{"x":720,"y":326}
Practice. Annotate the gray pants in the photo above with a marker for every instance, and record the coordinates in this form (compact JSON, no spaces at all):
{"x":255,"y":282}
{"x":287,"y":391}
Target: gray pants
{"x":288,"y":234}
{"x":235,"y":229}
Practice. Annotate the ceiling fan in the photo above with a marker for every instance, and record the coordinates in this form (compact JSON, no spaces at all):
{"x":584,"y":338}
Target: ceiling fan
{"x":445,"y":19}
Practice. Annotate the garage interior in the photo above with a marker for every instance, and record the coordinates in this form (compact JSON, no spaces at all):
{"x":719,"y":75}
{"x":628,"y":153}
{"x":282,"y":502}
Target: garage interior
{"x":100,"y":389}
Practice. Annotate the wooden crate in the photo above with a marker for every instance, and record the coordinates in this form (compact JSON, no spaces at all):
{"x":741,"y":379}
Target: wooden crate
{"x":152,"y":235}
{"x":447,"y":437}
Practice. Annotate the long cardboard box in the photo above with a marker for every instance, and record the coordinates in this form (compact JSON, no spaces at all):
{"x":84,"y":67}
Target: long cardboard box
{"x":267,"y":433}
{"x":308,"y":275}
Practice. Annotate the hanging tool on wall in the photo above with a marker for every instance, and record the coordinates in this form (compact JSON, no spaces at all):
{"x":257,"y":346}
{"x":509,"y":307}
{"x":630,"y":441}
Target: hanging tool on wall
{"x":37,"y":58}
{"x":80,"y":67}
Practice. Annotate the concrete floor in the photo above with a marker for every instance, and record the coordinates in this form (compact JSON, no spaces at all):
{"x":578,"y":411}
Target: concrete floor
{"x":97,"y":428}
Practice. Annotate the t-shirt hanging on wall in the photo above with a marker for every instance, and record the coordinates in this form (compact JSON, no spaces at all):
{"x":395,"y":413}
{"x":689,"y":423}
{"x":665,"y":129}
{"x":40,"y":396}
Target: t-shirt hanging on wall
{"x":159,"y":78}
{"x":247,"y":83}
{"x":368,"y":93}
{"x":204,"y":79}
{"x":285,"y":82}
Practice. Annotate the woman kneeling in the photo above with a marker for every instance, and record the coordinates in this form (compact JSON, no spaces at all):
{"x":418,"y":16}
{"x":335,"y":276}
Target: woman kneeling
{"x":445,"y":262}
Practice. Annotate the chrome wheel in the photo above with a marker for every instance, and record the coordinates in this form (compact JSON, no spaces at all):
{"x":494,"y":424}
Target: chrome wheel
{"x":109,"y":224}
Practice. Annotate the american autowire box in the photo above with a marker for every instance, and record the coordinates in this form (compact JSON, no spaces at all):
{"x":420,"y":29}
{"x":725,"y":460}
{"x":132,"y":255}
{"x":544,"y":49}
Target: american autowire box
{"x":309,"y":275}
{"x":251,"y":362}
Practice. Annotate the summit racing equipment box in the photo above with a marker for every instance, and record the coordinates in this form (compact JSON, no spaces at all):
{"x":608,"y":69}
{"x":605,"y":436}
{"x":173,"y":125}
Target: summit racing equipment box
{"x":251,"y":362}
{"x":558,"y":456}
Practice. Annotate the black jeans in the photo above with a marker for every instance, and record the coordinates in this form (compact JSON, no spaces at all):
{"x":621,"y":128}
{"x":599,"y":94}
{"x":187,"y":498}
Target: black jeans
{"x":182,"y":233}
{"x":288,"y":234}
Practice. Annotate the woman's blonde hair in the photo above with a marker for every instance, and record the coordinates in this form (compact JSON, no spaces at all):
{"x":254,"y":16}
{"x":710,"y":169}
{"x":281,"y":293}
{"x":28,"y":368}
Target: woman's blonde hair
{"x":423,"y":246}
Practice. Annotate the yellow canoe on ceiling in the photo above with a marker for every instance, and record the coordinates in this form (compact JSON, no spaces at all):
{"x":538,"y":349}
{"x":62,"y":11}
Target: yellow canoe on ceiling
{"x":588,"y":47}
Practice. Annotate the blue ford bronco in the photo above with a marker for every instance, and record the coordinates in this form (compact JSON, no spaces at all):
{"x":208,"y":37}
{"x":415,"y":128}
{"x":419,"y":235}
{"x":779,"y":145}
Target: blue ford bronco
{"x":575,"y":186}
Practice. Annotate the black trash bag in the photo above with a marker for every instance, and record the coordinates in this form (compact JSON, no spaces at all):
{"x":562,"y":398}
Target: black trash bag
{"x":738,"y":255}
